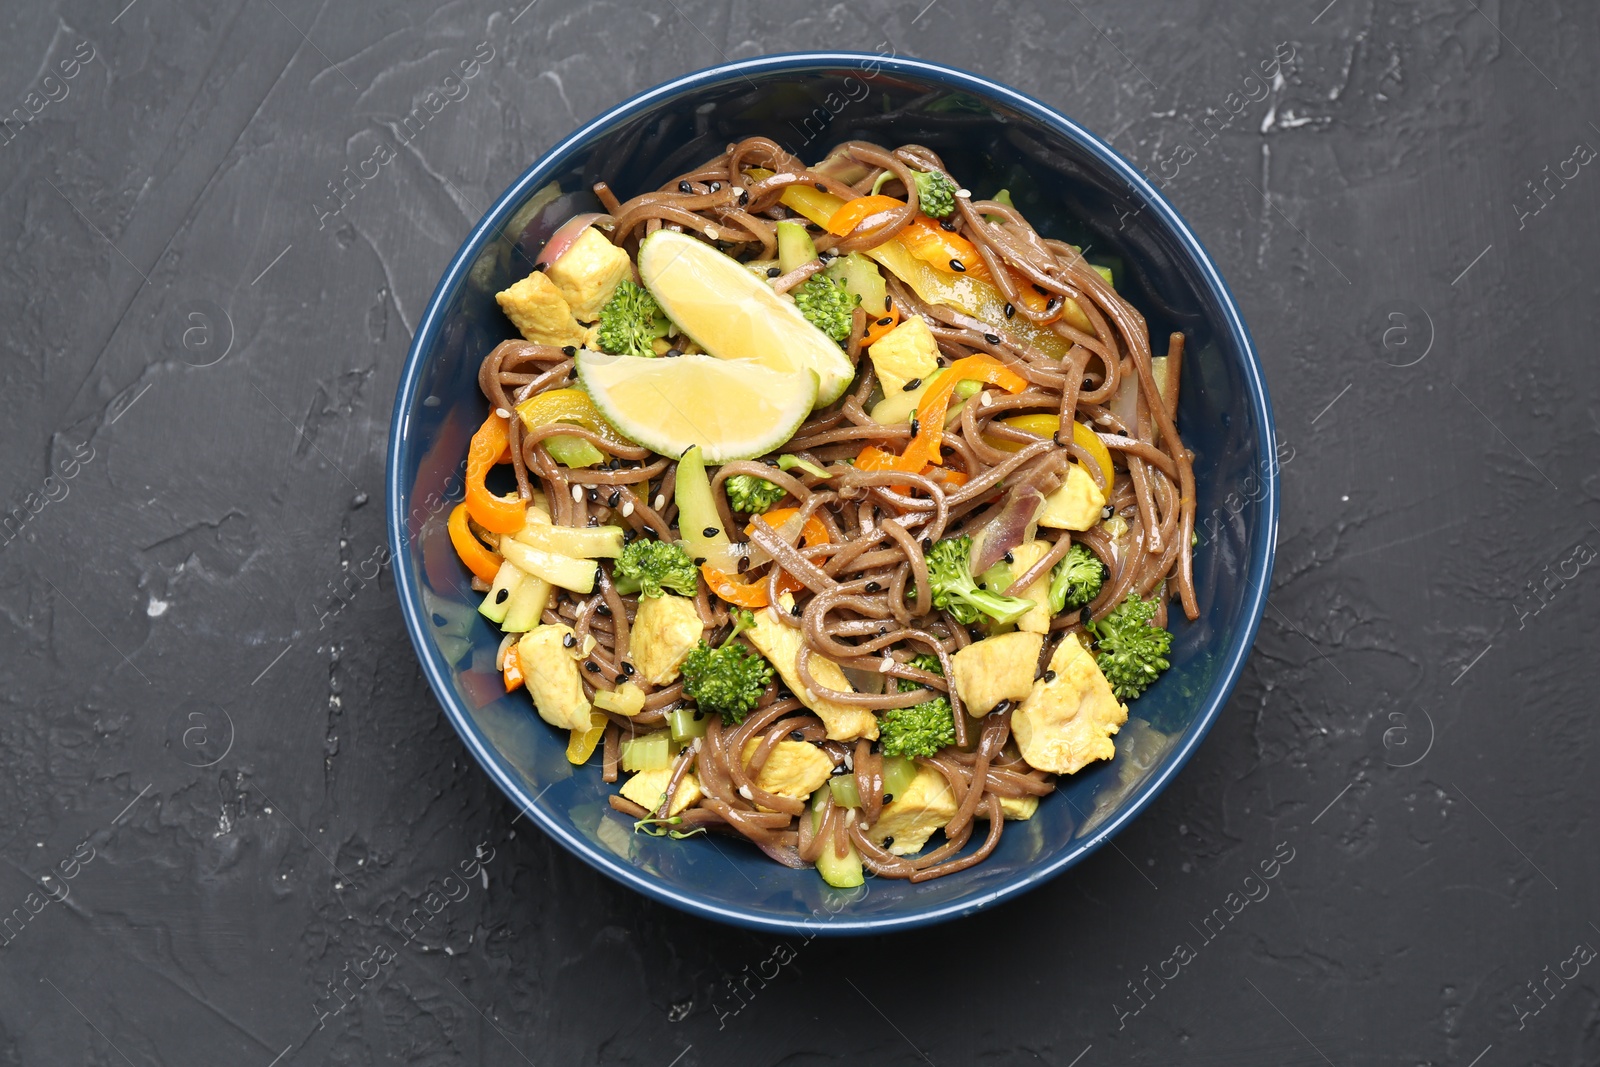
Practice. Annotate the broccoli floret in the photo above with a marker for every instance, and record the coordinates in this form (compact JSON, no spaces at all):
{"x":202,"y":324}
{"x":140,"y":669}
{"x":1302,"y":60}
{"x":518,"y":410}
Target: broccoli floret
{"x":752,"y":495}
{"x":651,"y":568}
{"x":936,"y":193}
{"x":1131,"y":652}
{"x":1076,"y":580}
{"x":727,"y":680}
{"x":950,"y":575}
{"x":630,"y":320}
{"x":826,"y":304}
{"x":923,"y":661}
{"x":920,"y":730}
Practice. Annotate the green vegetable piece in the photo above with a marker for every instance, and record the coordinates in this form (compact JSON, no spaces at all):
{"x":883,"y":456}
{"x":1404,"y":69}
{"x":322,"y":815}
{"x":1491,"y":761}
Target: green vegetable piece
{"x":497,"y":601}
{"x":1076,"y":580}
{"x":686,"y":724}
{"x":936,"y":193}
{"x":664,"y":828}
{"x":525,"y":605}
{"x":652,"y":568}
{"x":789,"y":463}
{"x":898,"y":772}
{"x":651,"y":752}
{"x":727,"y":680}
{"x":845,"y":793}
{"x":841,"y":872}
{"x":630,"y":320}
{"x":860,"y":276}
{"x":922,"y":661}
{"x":573,"y":451}
{"x":950,"y":574}
{"x":752,"y":495}
{"x":826,"y":304}
{"x":795,"y":246}
{"x":1131,"y":651}
{"x":697,"y":513}
{"x":920,"y":730}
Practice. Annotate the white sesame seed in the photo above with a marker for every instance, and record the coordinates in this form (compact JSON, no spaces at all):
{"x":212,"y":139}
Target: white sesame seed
{"x":965,"y":194}
{"x":983,"y":398}
{"x":711,"y":232}
{"x":627,"y":508}
{"x":884,"y":664}
{"x":744,"y":791}
{"x":577,"y":494}
{"x":660,"y":501}
{"x":849,"y":816}
{"x":502,"y":412}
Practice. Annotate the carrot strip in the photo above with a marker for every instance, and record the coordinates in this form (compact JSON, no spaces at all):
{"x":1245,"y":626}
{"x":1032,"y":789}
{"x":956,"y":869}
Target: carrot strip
{"x":924,"y":446}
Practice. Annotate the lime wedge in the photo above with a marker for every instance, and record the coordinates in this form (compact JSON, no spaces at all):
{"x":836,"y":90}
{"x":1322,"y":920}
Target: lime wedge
{"x":732,"y":409}
{"x":734,"y":315}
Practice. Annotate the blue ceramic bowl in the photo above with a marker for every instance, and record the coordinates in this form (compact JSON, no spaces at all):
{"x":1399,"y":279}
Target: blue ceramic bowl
{"x":1071,"y":185}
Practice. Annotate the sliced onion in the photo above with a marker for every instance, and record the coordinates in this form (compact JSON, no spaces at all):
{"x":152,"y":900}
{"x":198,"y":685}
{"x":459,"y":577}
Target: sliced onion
{"x":1006,"y":530}
{"x":565,"y":237}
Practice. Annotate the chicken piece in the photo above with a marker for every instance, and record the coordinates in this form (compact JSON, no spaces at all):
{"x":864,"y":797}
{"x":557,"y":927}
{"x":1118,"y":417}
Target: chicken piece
{"x":1076,"y":504}
{"x":588,"y":272}
{"x":551,"y":675}
{"x":905,"y":824}
{"x":781,"y":645}
{"x":665,"y":630}
{"x":904,"y":354}
{"x":1025,"y":555}
{"x":996,"y":669}
{"x":539,"y":311}
{"x":1067,"y":721}
{"x":648,"y":787}
{"x":1012,"y":809}
{"x":793,"y":768}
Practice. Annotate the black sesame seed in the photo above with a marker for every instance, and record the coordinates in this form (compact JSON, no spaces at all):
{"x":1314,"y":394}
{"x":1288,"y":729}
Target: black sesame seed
{"x":1051,"y":304}
{"x":795,"y":611}
{"x":1041,"y":290}
{"x":710,"y":531}
{"x":567,"y":641}
{"x":744,"y":564}
{"x":839,"y":768}
{"x":500,"y":597}
{"x":888,"y":841}
{"x":916,"y":427}
{"x":956,"y":265}
{"x":572,"y":372}
{"x":1088,"y":383}
{"x":716,"y":187}
{"x":882,"y":630}
{"x":603,"y":610}
{"x":592,"y":495}
{"x":592,"y":667}
{"x":912,"y":384}
{"x":886,"y":320}
{"x":1009,"y":558}
{"x":992,"y":338}
{"x":796,"y":735}
{"x":685,"y":187}
{"x":1049,"y":676}
{"x":672,"y":353}
{"x":888,"y":798}
{"x":872,"y":587}
{"x":568,"y":351}
{"x":744,"y":197}
{"x":698,"y":715}
{"x":773,"y":272}
{"x":888,"y":302}
{"x":614,"y":499}
{"x":628,"y":535}
{"x":1011,"y":311}
{"x":927,"y":544}
{"x":539,"y":267}
{"x":621,"y":678}
{"x":698,"y":560}
{"x":821,"y":188}
{"x":949,"y":224}
{"x":627,"y":668}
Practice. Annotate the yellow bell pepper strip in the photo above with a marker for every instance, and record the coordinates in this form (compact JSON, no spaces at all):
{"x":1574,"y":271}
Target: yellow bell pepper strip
{"x":479,"y":560}
{"x":854,"y":212}
{"x":942,"y":249}
{"x":1045,"y":425}
{"x":924,"y":446}
{"x":497,"y":514}
{"x":972,"y":296}
{"x":582,"y":743}
{"x":512,"y":670}
{"x":573,"y":407}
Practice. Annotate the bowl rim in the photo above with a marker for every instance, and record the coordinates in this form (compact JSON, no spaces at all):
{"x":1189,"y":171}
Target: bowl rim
{"x":1257,"y":577}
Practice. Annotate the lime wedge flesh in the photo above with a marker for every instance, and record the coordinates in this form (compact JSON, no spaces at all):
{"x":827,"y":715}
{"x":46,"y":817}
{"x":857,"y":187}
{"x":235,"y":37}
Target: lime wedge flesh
{"x":732,"y":409}
{"x":734,"y":315}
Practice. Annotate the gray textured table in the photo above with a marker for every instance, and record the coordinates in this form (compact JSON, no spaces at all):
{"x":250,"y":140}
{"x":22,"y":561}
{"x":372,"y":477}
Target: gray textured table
{"x":202,"y":716}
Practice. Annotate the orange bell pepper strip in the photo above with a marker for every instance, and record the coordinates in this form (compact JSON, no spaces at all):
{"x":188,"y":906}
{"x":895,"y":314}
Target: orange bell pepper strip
{"x":479,"y":560}
{"x":813,"y":533}
{"x":878,"y":327}
{"x":497,"y":514}
{"x":854,"y":212}
{"x":1034,"y":300}
{"x":741,"y":594}
{"x":924,"y":446}
{"x":942,"y":249}
{"x":512,"y":672}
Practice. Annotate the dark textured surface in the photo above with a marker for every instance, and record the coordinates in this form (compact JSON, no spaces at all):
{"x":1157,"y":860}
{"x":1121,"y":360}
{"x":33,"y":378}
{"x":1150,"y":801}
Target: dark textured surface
{"x":215,"y":736}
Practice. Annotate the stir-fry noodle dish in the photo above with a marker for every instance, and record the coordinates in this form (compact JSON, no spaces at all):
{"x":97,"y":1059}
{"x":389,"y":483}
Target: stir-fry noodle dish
{"x":832,"y":507}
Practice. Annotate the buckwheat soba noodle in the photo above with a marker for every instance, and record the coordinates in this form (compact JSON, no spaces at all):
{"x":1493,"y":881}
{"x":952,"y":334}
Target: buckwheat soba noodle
{"x":915,"y":458}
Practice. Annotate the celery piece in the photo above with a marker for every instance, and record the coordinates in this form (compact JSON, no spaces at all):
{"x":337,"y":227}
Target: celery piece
{"x":648,"y":752}
{"x":686,"y":723}
{"x":526,"y":605}
{"x":570,"y":451}
{"x":860,"y":277}
{"x":497,"y":601}
{"x":789,"y":463}
{"x":845,"y":793}
{"x":703,"y":536}
{"x":627,"y":699}
{"x":840,"y":872}
{"x":898,"y":772}
{"x":795,"y":246}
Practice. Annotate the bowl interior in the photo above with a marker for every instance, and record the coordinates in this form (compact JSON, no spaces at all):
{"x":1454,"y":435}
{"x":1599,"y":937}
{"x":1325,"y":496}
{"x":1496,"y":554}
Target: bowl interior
{"x":1070,"y":186}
